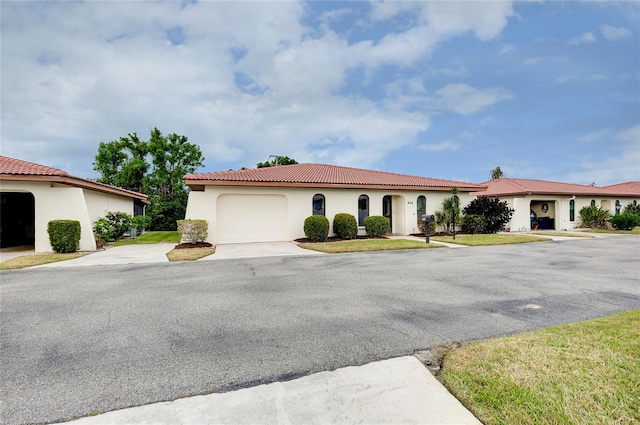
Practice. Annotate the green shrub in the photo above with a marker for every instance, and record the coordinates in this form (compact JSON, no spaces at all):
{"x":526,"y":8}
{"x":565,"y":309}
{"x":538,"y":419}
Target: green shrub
{"x":473,"y":223}
{"x":376,"y":225}
{"x":632,"y":208}
{"x":193,"y":231}
{"x":64,"y":235}
{"x":140,"y":222}
{"x":316,"y":228}
{"x":165,"y":213}
{"x":345,"y":226}
{"x":625,"y":221}
{"x":488,"y":215}
{"x":112,"y":226}
{"x":594,"y":217}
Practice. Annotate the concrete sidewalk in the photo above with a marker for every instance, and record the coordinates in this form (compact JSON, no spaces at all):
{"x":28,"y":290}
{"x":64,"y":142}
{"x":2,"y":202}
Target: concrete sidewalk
{"x":127,"y":254}
{"x":399,"y":391}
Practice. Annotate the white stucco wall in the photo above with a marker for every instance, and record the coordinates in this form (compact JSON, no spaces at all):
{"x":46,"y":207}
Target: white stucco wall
{"x":558,"y":209}
{"x":62,"y":202}
{"x":202,"y":205}
{"x":99,"y":204}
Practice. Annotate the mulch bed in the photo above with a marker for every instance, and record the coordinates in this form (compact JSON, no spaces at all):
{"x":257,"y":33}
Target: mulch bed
{"x":336,"y":239}
{"x":194,"y":245}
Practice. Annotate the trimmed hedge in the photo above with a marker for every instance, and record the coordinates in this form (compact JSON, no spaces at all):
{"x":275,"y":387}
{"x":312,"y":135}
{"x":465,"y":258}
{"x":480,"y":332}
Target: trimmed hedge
{"x":376,"y":225}
{"x":316,"y":228}
{"x":625,"y":221}
{"x":193,"y":231}
{"x":345,"y":226}
{"x":64,"y":235}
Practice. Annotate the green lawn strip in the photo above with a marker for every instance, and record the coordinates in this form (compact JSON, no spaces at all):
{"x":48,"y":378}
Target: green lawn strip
{"x":366,"y":245}
{"x":189,"y":254}
{"x":635,"y":231}
{"x":563,"y":234}
{"x":38,"y":259}
{"x":493,"y":239}
{"x":149,"y":238}
{"x":579,"y":373}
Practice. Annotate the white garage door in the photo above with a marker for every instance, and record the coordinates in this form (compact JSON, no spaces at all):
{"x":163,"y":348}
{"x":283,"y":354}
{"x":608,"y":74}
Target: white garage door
{"x":251,"y":218}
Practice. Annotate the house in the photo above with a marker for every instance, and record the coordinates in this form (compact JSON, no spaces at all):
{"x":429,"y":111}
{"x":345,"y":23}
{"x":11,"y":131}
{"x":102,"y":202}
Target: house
{"x":540,"y":204}
{"x":271,"y":204}
{"x":32,"y":195}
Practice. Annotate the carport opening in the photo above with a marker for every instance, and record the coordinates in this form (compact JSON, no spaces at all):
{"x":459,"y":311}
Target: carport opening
{"x":543,"y":215}
{"x":17,"y":219}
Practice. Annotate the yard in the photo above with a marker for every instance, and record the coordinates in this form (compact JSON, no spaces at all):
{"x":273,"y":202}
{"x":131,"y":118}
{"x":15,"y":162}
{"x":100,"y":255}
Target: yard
{"x":579,"y":373}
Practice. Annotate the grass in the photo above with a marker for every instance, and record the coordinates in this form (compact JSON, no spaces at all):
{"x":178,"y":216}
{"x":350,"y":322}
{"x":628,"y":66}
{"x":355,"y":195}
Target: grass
{"x":189,"y":254}
{"x":149,"y":238}
{"x":366,"y":245}
{"x":579,"y":373}
{"x":38,"y":259}
{"x":635,"y":231}
{"x":565,"y":234}
{"x":493,"y":239}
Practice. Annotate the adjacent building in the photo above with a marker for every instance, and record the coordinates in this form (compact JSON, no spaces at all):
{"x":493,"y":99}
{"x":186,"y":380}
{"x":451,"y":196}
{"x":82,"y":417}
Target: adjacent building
{"x":31,"y":195}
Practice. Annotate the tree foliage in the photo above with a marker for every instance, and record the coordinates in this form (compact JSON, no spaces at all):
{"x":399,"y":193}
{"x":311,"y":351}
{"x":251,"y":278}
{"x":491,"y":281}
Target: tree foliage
{"x":496,"y":173}
{"x":281,"y":160}
{"x":156,"y":167}
{"x":450,"y":213}
{"x":486,"y":215}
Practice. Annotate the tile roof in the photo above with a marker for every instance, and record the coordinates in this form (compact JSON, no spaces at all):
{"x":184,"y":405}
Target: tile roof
{"x":628,"y":186}
{"x":17,"y":169}
{"x":18,"y":166}
{"x":323,"y":175}
{"x":511,"y":187}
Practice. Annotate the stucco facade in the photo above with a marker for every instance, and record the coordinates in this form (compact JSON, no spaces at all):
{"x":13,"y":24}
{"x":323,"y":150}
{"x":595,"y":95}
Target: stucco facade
{"x":33,"y":195}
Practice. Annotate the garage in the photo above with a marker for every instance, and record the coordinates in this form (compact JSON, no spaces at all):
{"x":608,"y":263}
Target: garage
{"x":251,"y":218}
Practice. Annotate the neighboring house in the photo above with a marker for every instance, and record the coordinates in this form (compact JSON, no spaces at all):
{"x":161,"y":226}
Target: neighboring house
{"x":542,"y":204}
{"x":271,"y":204}
{"x":32,"y":195}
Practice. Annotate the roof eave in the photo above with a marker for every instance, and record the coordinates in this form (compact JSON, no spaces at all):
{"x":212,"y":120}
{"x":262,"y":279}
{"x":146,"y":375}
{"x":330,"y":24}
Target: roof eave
{"x":198,"y":184}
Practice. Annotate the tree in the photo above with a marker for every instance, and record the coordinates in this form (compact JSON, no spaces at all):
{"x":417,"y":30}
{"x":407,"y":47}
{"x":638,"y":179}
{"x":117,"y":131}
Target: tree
{"x":496,"y":173}
{"x":486,"y":215}
{"x":156,"y":167}
{"x":280,"y":160}
{"x":450,"y":213}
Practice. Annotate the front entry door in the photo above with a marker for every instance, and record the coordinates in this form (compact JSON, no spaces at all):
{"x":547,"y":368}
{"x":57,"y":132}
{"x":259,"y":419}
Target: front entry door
{"x":387,"y":210}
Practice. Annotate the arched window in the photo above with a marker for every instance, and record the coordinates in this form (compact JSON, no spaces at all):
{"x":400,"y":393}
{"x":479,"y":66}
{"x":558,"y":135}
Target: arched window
{"x":572,"y":210}
{"x":318,"y":204}
{"x":618,"y":206}
{"x":421,"y":207}
{"x":593,"y":202}
{"x":363,"y":209}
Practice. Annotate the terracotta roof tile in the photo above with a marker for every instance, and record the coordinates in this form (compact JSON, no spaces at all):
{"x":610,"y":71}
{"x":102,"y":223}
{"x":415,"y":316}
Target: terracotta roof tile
{"x":322,"y":174}
{"x":24,"y":170}
{"x":633,"y":187}
{"x":511,"y":187}
{"x":20,"y":167}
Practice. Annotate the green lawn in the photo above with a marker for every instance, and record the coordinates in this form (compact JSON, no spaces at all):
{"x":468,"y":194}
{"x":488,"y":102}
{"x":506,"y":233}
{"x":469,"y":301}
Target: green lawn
{"x":150,"y":237}
{"x":635,"y":231}
{"x":579,"y":373}
{"x":363,"y":245}
{"x":189,"y":254}
{"x":493,"y":239}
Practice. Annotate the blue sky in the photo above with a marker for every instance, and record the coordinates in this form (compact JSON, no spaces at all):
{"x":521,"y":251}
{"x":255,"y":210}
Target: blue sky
{"x":547,"y":90}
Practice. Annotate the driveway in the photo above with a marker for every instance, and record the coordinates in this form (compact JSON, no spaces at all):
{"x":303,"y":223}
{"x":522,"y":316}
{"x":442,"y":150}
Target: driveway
{"x":127,"y":254}
{"x":262,"y":249}
{"x":99,"y":338}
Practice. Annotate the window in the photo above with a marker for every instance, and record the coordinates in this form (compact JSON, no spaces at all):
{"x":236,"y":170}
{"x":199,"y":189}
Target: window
{"x":318,"y":204}
{"x":421,"y":207}
{"x":593,"y":202}
{"x":572,"y":210}
{"x":363,"y":209}
{"x":618,"y":206}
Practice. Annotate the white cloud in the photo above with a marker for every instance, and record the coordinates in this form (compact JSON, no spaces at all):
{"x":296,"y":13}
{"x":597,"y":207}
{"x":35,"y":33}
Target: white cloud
{"x":584,"y":38}
{"x":615,"y":169}
{"x":507,"y":48}
{"x":615,"y":33}
{"x":532,"y":61}
{"x":595,"y":135}
{"x":464,"y":99}
{"x":447,"y":145}
{"x":241,"y":79}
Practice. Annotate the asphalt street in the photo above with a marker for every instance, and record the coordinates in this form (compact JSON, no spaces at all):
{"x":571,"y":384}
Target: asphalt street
{"x":94,"y":339}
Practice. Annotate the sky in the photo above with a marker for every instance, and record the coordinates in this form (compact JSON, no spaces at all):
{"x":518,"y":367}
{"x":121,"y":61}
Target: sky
{"x":450,"y":90}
